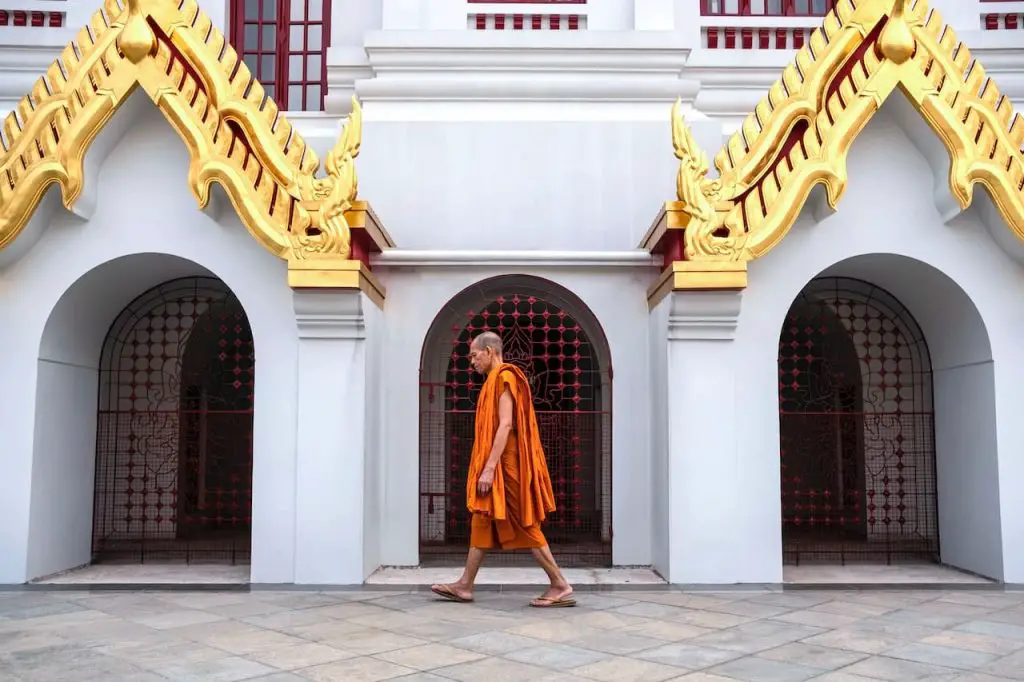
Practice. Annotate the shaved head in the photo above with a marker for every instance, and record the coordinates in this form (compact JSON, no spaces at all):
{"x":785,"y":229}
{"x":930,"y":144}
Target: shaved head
{"x":488,"y":340}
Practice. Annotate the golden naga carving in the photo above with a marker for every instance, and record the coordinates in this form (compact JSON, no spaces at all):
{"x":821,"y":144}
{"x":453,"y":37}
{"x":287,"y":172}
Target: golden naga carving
{"x":234,"y":132}
{"x":799,"y":135}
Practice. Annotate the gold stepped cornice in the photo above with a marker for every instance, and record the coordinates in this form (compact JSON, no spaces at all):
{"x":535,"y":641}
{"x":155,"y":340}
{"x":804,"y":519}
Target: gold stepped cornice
{"x":235,"y":134}
{"x":800,"y":134}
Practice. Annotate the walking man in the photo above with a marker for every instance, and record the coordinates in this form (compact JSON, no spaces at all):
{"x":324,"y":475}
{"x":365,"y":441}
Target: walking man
{"x":509,"y":490}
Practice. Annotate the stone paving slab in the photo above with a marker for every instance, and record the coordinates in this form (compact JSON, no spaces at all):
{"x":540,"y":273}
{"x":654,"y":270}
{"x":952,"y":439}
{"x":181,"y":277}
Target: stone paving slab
{"x":659,"y":635}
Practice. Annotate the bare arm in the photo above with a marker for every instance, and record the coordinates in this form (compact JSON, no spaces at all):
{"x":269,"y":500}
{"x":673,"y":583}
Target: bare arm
{"x":505,"y":405}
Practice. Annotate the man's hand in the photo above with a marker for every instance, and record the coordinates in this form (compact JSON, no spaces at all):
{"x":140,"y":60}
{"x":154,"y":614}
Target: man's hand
{"x":485,"y":481}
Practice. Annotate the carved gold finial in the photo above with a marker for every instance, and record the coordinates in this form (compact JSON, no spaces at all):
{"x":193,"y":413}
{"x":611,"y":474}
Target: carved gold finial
{"x":897,"y":42}
{"x":329,"y":234}
{"x":136,"y":39}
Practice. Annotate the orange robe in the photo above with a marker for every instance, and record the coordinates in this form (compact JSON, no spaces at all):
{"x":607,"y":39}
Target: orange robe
{"x":521,"y":497}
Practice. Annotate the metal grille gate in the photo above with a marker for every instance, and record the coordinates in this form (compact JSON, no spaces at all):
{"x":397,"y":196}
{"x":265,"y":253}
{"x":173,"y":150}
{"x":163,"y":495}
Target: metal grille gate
{"x":572,"y":400}
{"x":174,"y":429}
{"x":857,"y":429}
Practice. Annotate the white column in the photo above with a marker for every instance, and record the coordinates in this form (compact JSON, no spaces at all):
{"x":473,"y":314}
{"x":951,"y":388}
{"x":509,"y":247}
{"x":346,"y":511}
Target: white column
{"x":445,"y":15}
{"x":687,"y":22}
{"x":705,"y":546}
{"x":402,"y":14}
{"x":654,"y":15}
{"x":331,"y":440}
{"x":346,"y":58}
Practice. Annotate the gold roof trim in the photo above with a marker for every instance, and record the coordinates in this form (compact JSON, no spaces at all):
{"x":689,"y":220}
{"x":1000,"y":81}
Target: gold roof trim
{"x":799,"y":136}
{"x":235,"y":134}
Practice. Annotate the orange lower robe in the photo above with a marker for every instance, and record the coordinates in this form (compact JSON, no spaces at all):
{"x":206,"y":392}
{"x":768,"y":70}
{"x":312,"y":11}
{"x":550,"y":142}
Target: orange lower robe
{"x":521,"y":495}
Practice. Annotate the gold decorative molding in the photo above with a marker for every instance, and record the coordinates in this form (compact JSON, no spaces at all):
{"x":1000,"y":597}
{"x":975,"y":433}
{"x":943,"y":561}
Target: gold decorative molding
{"x":324,"y":273}
{"x":800,"y":134}
{"x":235,"y":134}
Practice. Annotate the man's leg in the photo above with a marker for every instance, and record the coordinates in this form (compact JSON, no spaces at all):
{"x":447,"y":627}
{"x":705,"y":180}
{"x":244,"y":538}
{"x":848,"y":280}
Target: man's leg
{"x":474,"y":559}
{"x":560,"y":587}
{"x":462,"y":588}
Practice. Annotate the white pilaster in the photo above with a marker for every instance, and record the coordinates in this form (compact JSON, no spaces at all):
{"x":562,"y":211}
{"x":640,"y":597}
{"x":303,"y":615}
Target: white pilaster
{"x":687,"y":21}
{"x":346,"y":58}
{"x":402,"y":14}
{"x":704,"y":542}
{"x":331,"y":437}
{"x":654,"y":15}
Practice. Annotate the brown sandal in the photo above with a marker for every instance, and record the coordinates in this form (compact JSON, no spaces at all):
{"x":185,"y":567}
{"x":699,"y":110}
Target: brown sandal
{"x":446,"y":592}
{"x":549,"y":603}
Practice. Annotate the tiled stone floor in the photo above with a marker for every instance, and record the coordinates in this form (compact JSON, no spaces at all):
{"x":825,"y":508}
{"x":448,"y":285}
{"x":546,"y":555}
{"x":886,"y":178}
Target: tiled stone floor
{"x":616,"y":636}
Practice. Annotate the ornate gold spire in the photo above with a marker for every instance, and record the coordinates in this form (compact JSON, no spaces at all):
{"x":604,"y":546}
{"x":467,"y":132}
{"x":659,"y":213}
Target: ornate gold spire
{"x":234,"y":133}
{"x":799,"y":136}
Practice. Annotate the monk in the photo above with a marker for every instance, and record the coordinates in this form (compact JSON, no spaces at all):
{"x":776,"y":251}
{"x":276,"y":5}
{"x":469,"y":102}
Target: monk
{"x":509,"y":489}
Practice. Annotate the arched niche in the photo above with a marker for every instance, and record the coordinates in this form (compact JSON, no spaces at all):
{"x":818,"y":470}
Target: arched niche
{"x":556,"y":340}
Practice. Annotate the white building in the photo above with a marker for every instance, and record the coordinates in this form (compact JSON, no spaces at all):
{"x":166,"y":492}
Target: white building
{"x":802,"y":374}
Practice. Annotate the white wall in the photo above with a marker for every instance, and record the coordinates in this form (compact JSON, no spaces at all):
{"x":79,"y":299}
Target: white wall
{"x":959,"y":284}
{"x":74,"y":281}
{"x":968,"y":485}
{"x":565,"y":185}
{"x":60,"y":518}
{"x":615,"y":295}
{"x":374,"y":470}
{"x":659,"y":424}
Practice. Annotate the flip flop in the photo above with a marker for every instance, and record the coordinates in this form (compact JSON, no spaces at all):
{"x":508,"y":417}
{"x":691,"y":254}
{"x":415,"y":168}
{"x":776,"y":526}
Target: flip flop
{"x":446,"y":592}
{"x":549,"y":603}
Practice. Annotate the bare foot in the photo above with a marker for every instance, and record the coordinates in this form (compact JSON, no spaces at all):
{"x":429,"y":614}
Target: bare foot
{"x":453,"y":592}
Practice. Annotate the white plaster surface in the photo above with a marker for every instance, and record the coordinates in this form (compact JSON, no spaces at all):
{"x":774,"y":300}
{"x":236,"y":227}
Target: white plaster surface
{"x":695,"y":475}
{"x":962,"y":288}
{"x":912,"y":574}
{"x":78,"y":276}
{"x":151,"y":574}
{"x":616,"y":298}
{"x":515,"y":576}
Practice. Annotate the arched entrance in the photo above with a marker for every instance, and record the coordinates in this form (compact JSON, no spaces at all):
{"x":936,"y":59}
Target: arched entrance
{"x":174,"y":428}
{"x":556,"y":341}
{"x":856,"y":414}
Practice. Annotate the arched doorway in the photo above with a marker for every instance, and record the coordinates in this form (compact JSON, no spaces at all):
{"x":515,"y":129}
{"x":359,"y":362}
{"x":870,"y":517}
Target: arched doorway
{"x":857,"y":429}
{"x":556,"y":341}
{"x":174,"y":428}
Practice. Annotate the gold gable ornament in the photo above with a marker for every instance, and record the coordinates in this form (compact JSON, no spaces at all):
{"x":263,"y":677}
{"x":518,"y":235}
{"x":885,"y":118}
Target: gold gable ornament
{"x":800,"y":134}
{"x":234,"y":132}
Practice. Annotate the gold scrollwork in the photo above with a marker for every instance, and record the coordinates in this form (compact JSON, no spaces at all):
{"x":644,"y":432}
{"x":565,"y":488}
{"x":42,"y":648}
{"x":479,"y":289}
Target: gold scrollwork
{"x":800,"y":134}
{"x":235,"y":134}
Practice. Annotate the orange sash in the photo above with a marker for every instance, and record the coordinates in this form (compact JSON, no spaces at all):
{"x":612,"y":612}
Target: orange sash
{"x":536,"y":494}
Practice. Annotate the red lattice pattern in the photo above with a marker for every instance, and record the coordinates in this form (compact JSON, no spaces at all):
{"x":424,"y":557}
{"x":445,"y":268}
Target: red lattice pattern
{"x":527,"y":22}
{"x":730,"y":38}
{"x":526,"y":2}
{"x":569,"y":397}
{"x":284,"y":44}
{"x":766,"y":8}
{"x":1003,"y":22}
{"x":174,"y":430}
{"x":36,"y":19}
{"x":856,"y":423}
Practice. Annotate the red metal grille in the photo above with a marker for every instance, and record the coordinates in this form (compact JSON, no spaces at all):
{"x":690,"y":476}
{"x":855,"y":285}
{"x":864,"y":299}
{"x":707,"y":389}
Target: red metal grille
{"x":857,"y":429}
{"x":174,"y":430}
{"x":769,"y":8}
{"x":284,"y":44}
{"x":572,"y":399}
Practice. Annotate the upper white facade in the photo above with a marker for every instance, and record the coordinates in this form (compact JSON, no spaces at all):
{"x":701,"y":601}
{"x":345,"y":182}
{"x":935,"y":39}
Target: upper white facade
{"x":534,"y":159}
{"x":545,"y":59}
